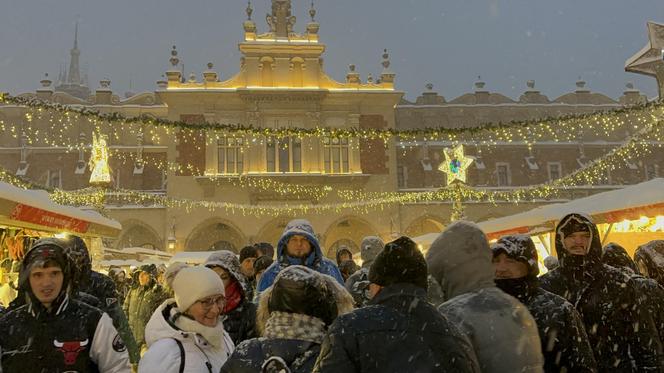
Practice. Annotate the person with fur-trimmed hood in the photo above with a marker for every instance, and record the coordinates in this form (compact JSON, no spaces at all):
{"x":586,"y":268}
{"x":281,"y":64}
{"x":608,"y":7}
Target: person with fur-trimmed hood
{"x":299,"y":245}
{"x":142,"y":301}
{"x":358,"y":283}
{"x":399,"y":331}
{"x":186,"y":334}
{"x":565,"y":344}
{"x":622,"y":335}
{"x":239,"y":313}
{"x":293,"y":316}
{"x":54,"y":332}
{"x":501,"y":329}
{"x":651,"y":293}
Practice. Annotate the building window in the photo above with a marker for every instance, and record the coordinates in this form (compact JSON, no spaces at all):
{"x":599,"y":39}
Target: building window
{"x":555,"y":171}
{"x":652,"y":171}
{"x":402,"y":176}
{"x":503,"y":176}
{"x":54,"y":179}
{"x":336,"y":154}
{"x":230,"y":157}
{"x":284,"y":155}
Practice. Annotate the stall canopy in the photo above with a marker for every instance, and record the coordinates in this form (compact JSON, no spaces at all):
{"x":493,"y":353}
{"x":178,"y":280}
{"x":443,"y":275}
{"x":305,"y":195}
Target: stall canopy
{"x":33,"y":209}
{"x":630,"y":203}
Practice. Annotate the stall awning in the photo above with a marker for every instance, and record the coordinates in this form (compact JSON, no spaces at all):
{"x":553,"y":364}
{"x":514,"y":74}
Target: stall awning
{"x":34,"y":209}
{"x":614,"y":206}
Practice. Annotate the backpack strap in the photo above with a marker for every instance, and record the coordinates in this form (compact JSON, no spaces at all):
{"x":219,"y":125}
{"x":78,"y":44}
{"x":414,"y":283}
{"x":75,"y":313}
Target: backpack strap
{"x":182,"y":355}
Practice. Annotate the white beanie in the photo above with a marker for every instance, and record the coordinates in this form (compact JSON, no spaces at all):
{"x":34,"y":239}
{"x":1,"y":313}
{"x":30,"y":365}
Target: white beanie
{"x":195,"y":283}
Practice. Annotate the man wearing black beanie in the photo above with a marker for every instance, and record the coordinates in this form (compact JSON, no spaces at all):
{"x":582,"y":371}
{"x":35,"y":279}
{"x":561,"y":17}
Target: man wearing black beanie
{"x":398,"y":331}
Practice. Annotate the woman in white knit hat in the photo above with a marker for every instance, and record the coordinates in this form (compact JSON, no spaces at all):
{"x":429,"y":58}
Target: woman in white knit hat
{"x":185,"y":334}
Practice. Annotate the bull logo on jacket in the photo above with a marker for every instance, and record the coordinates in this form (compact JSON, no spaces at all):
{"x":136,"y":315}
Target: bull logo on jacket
{"x":70,"y":349}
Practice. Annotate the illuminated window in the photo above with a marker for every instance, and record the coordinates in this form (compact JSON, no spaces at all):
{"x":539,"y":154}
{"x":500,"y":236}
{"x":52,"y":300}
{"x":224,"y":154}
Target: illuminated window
{"x":284,"y":155}
{"x":230,"y":156}
{"x":336,"y":153}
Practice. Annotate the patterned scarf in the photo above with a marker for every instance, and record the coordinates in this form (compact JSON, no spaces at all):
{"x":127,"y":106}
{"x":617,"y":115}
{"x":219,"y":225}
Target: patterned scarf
{"x":286,"y":325}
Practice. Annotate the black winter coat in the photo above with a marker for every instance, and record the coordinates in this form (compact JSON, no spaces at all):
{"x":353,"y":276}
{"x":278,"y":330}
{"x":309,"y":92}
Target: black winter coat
{"x":250,"y":355}
{"x":565,"y":344}
{"x":240,"y":323}
{"x":398,"y":332}
{"x":619,"y":329}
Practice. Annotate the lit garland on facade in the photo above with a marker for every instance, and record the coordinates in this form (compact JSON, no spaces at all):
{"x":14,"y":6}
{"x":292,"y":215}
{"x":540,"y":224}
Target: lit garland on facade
{"x":567,"y":128}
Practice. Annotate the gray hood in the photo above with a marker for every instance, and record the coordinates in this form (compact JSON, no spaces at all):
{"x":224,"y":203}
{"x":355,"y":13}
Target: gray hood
{"x":370,"y":247}
{"x":460,"y":259}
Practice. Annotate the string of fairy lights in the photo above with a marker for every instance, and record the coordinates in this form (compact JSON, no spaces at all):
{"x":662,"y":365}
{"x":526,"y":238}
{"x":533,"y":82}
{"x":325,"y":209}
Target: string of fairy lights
{"x":640,"y":127}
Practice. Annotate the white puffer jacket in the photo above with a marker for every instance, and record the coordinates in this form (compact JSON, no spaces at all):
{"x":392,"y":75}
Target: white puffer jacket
{"x":200,"y":354}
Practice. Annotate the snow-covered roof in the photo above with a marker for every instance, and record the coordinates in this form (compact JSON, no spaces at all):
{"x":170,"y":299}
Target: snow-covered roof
{"x":191,"y":257}
{"x":627,"y":203}
{"x":34,"y":209}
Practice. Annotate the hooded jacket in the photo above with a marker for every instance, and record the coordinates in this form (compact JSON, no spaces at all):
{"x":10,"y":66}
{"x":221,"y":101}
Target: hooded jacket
{"x":307,"y":296}
{"x":140,"y":304}
{"x":358,"y":283}
{"x":71,"y":336}
{"x":316,"y":260}
{"x":651,"y":293}
{"x":565,"y":344}
{"x":649,"y":258}
{"x":201,"y":353}
{"x":501,"y":329}
{"x":239,"y":322}
{"x":621,"y":334}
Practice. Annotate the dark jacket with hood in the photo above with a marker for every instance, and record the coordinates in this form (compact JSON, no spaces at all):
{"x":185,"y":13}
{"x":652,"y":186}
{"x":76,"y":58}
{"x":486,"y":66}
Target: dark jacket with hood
{"x":649,"y":260}
{"x":399,"y":331}
{"x":240,"y":322}
{"x":141,"y":302}
{"x":102,"y":288}
{"x":622,"y":336}
{"x":70,"y":336}
{"x":300,"y":297}
{"x":501,"y":329}
{"x":358,"y":283}
{"x":564,"y":341}
{"x":316,"y":260}
{"x":651,"y":293}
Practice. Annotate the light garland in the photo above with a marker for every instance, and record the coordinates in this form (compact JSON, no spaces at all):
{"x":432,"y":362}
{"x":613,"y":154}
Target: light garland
{"x":565,"y":128}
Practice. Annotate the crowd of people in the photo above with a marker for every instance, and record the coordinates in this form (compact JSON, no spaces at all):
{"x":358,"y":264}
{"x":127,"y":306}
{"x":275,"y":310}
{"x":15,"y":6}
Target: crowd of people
{"x":468,"y":306}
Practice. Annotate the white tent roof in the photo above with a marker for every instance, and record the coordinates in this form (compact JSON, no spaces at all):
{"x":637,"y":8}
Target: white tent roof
{"x":35,"y":210}
{"x":191,"y":257}
{"x":607,"y":207}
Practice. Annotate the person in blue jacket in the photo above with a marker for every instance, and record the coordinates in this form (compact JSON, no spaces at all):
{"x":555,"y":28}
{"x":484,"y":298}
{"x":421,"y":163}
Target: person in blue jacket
{"x":299,"y":246}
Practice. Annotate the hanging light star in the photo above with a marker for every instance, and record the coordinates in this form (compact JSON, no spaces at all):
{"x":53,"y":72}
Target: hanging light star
{"x":455,"y":164}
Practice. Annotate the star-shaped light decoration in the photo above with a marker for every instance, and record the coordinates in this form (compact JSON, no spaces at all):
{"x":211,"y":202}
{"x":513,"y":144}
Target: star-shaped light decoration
{"x":455,"y":165}
{"x":650,"y":59}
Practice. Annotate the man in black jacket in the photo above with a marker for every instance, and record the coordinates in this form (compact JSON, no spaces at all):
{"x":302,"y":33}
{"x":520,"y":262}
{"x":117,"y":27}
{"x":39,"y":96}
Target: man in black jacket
{"x":565,"y":344}
{"x":399,"y":331}
{"x":621,"y":334}
{"x":53,"y":332}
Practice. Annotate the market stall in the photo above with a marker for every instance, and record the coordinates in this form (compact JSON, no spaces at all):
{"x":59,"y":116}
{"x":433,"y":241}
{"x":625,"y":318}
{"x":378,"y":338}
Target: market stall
{"x":27,"y":215}
{"x":629,"y":216}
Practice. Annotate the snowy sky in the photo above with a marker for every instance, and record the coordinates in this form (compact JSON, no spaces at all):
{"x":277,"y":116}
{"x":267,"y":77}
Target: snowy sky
{"x":448,"y":43}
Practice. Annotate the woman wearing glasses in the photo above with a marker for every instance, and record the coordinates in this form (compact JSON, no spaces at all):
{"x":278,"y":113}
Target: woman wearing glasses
{"x":186,"y":334}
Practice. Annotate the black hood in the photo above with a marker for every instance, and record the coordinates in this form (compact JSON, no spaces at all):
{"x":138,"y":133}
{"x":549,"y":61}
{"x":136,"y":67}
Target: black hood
{"x":649,"y":259}
{"x":79,"y":256}
{"x":341,"y":250}
{"x":575,"y":262}
{"x":616,"y":256}
{"x":521,"y":248}
{"x":43,"y":250}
